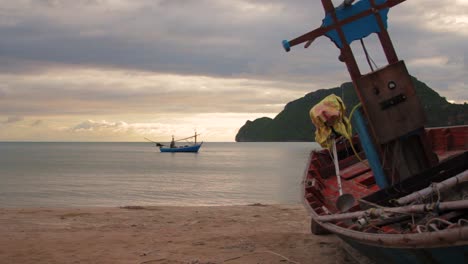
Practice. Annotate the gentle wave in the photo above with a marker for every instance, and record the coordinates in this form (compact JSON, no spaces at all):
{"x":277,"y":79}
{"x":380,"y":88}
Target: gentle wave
{"x":118,"y":174}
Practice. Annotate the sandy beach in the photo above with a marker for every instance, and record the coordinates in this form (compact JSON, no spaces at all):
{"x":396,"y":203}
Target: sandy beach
{"x":136,"y":234}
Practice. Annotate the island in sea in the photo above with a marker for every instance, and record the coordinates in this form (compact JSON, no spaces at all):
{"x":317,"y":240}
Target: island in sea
{"x":293,"y":123}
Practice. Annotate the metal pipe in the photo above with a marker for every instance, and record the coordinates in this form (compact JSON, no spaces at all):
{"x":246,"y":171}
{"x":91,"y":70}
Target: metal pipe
{"x":370,"y":151}
{"x":441,"y":186}
{"x":376,"y":212}
{"x":337,"y":168}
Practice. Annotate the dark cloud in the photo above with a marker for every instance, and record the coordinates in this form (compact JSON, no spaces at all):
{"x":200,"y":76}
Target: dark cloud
{"x":199,"y":37}
{"x":227,"y":39}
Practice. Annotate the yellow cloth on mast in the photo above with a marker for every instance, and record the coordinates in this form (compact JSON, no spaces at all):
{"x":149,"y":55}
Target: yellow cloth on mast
{"x":328,"y":114}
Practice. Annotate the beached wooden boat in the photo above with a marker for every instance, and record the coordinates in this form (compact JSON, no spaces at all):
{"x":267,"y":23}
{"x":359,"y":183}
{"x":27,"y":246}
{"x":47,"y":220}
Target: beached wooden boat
{"x":397,"y":192}
{"x":422,"y":219}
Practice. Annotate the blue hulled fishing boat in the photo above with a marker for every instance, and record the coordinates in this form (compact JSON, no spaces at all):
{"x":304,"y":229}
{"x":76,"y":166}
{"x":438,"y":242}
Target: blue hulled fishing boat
{"x":186,"y":148}
{"x":193,"y":147}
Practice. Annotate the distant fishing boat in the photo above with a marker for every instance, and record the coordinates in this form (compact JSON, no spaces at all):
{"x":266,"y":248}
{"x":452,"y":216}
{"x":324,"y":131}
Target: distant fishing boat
{"x":191,"y":147}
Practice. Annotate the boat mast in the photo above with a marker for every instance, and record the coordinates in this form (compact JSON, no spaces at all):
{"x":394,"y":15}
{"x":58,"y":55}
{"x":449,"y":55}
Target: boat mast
{"x":390,"y":106}
{"x":194,"y":136}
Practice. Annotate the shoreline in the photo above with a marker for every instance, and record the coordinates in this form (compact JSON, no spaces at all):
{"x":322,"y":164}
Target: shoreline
{"x":253,"y":233}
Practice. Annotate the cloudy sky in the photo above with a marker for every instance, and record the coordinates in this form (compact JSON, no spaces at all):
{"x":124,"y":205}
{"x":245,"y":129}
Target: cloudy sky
{"x":121,"y":70}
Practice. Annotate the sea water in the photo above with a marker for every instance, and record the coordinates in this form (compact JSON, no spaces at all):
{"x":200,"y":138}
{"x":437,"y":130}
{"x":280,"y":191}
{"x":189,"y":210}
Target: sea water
{"x":120,"y":174}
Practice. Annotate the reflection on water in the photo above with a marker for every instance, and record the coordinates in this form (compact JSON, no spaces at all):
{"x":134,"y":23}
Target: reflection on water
{"x":117,"y":174}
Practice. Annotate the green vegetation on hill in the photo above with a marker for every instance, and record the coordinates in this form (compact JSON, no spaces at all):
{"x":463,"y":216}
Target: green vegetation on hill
{"x":293,"y":123}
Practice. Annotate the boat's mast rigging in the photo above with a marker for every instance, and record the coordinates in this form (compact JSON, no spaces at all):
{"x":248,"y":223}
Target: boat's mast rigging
{"x":194,"y":136}
{"x":394,"y":114}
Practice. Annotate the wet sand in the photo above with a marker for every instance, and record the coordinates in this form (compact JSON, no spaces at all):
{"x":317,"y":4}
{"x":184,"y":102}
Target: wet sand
{"x":159,"y":234}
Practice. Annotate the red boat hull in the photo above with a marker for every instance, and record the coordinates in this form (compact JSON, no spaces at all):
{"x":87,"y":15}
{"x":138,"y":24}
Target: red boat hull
{"x":450,"y":144}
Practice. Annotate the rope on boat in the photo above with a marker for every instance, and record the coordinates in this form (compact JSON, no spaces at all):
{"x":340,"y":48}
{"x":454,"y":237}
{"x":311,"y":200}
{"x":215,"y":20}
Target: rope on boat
{"x":378,"y":212}
{"x":368,"y":57}
{"x":449,"y":183}
{"x":430,"y":224}
{"x":350,"y":141}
